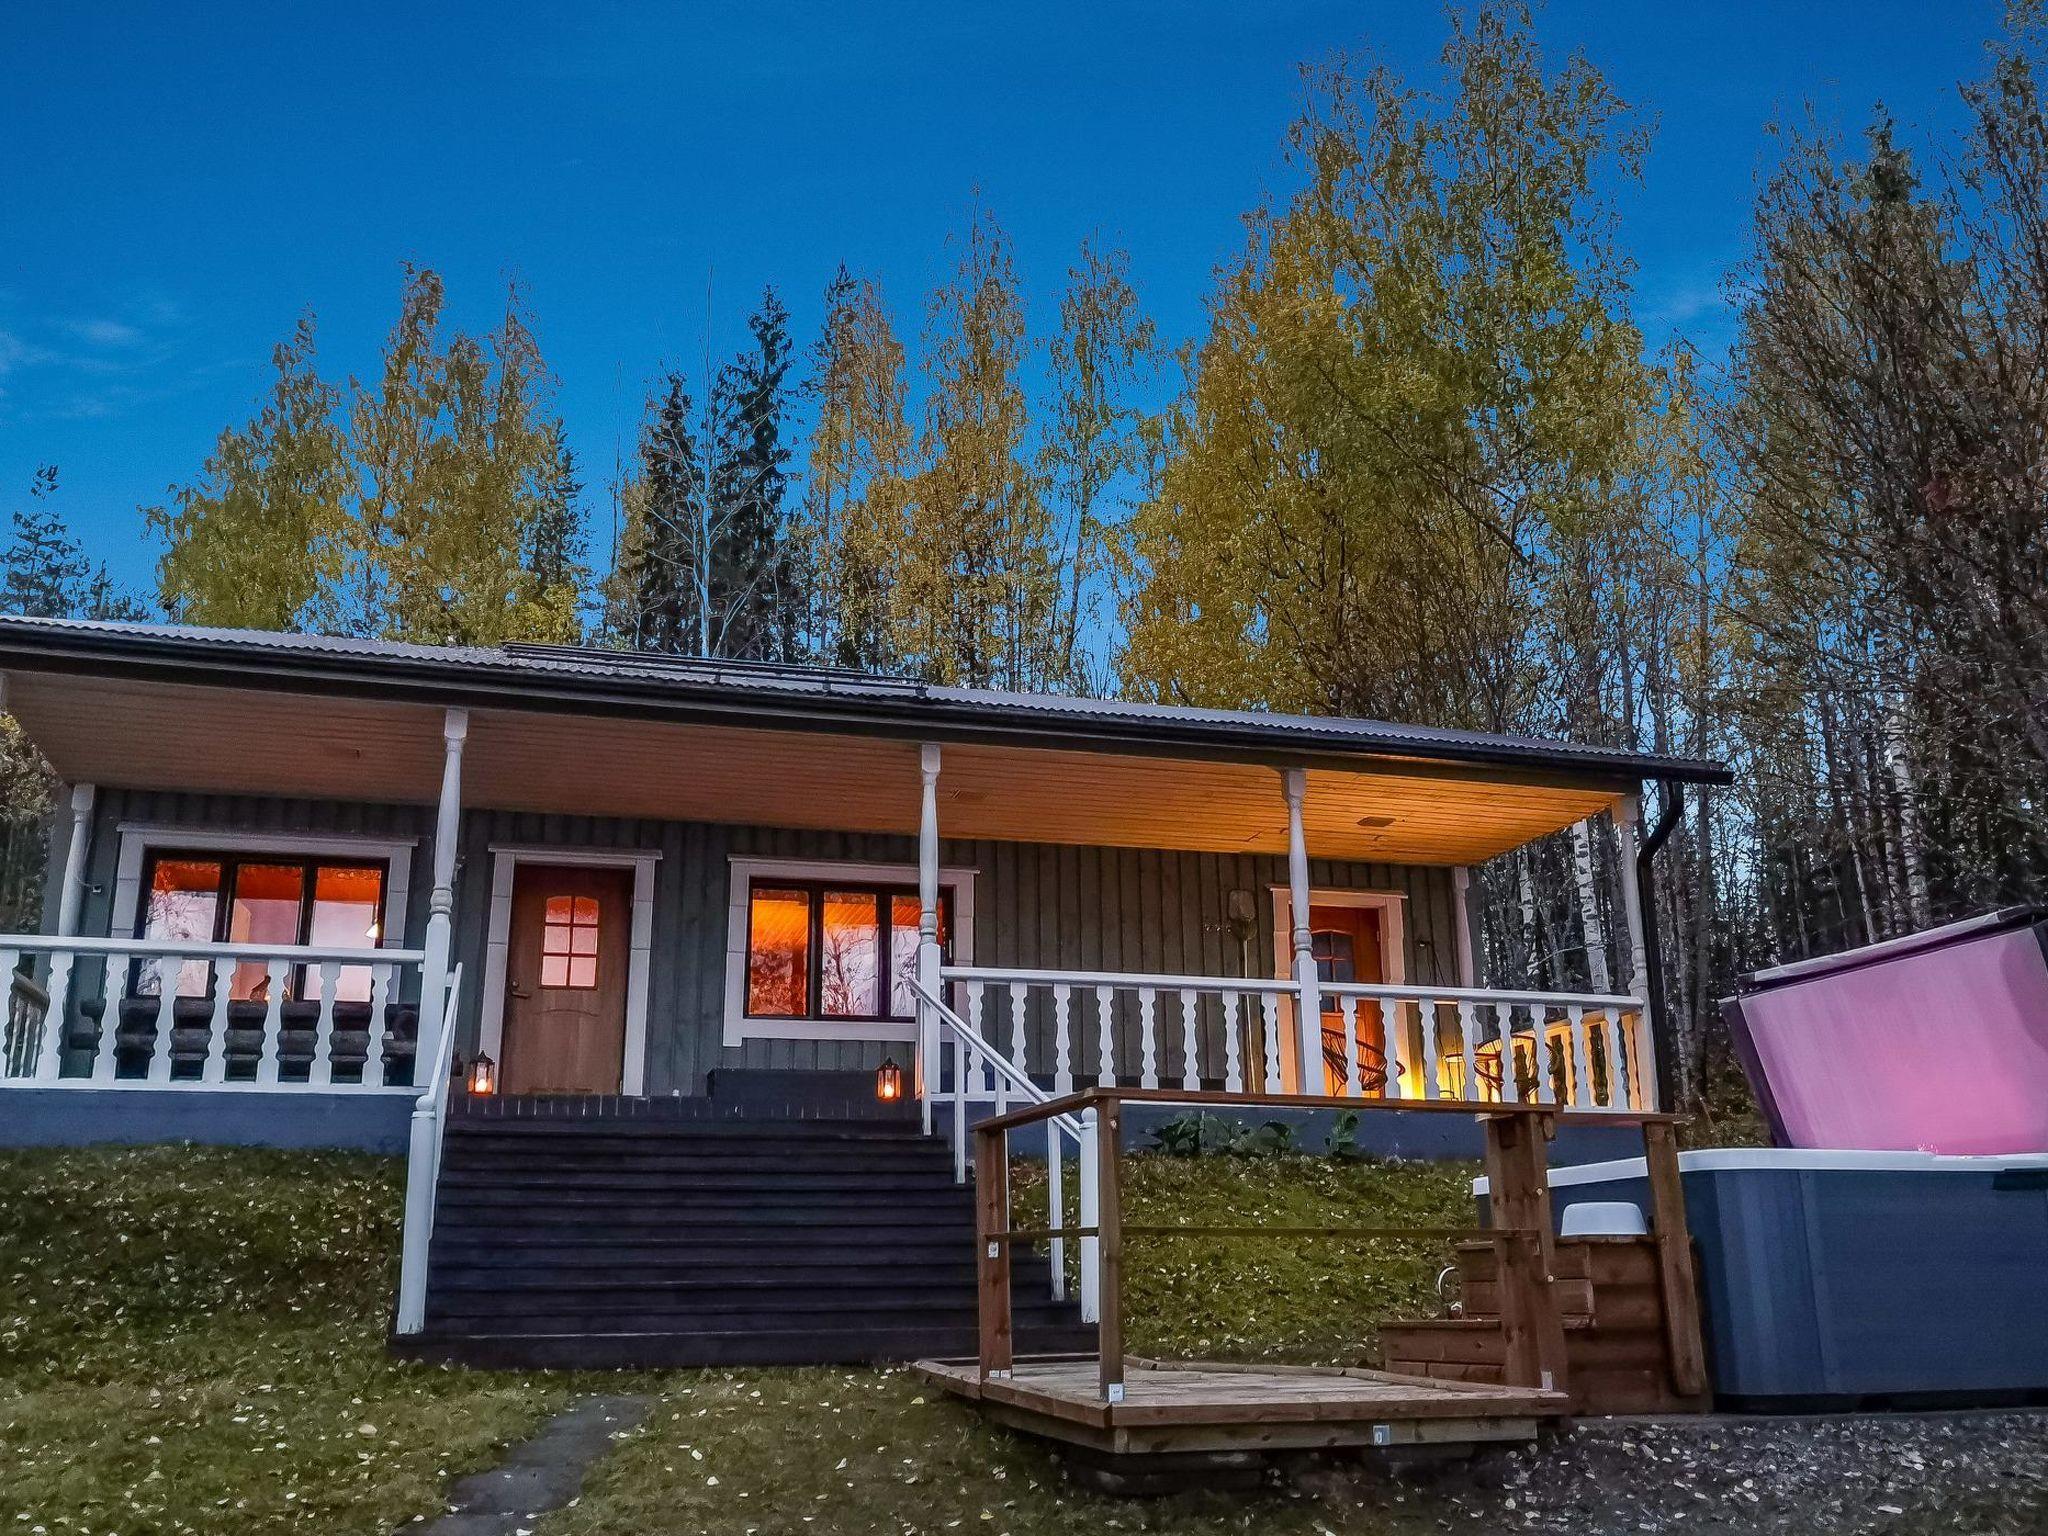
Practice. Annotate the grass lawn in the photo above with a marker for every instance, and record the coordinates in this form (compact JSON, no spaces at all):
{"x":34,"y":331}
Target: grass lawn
{"x":192,"y":1340}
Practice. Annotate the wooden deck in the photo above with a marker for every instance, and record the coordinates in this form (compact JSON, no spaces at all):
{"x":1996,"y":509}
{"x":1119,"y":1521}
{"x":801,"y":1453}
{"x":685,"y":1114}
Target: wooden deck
{"x":1197,"y":1406}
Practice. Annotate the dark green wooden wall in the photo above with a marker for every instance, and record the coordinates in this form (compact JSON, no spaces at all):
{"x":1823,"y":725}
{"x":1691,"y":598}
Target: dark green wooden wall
{"x":1037,"y":905}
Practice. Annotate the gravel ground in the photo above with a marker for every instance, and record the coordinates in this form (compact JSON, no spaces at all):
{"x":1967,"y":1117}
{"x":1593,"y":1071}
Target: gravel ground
{"x":1897,"y":1474}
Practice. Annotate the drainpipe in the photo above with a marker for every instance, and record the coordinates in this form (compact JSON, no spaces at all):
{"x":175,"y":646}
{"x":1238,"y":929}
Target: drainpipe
{"x":1671,"y":810}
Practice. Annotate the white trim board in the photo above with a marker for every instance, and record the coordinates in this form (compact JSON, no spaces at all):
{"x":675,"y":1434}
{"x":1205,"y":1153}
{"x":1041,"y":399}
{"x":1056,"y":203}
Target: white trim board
{"x":742,"y":869}
{"x":1391,"y":906}
{"x":138,"y":837}
{"x":505,"y":861}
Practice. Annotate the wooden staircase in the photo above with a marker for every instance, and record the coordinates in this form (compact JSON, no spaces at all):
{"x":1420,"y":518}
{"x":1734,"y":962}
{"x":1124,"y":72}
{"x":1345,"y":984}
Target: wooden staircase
{"x":633,"y":1240}
{"x":1609,"y":1299}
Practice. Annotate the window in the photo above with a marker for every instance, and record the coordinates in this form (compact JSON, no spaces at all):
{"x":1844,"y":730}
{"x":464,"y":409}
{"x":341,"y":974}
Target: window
{"x":568,"y":943}
{"x":1336,"y":959}
{"x":260,"y":899}
{"x":834,"y":950}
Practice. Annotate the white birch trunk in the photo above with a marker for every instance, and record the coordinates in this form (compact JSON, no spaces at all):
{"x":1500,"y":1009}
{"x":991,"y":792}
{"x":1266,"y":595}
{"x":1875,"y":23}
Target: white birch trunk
{"x":1589,"y":906}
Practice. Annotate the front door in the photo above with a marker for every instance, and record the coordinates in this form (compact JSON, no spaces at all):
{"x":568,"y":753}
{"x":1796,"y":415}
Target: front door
{"x":1346,"y":944}
{"x":565,"y":979}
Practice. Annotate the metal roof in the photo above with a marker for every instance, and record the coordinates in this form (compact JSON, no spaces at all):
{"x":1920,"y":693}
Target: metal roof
{"x":752,"y":693}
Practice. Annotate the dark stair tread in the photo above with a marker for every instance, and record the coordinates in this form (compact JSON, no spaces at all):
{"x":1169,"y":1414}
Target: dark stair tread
{"x":652,"y":1351}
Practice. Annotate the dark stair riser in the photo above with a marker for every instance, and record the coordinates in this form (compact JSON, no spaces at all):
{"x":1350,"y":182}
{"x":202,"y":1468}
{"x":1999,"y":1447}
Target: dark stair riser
{"x":609,"y":1241}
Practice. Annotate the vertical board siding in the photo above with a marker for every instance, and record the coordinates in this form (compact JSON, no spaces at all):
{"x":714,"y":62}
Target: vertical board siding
{"x":1044,"y":906}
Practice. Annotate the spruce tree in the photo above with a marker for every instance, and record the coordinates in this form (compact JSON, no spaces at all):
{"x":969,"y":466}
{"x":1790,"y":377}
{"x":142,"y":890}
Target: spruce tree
{"x":755,"y":611}
{"x":45,"y":574}
{"x":663,"y":602}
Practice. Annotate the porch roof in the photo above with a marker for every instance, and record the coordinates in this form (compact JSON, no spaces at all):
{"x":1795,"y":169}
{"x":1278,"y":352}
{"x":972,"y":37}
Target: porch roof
{"x":564,"y":730}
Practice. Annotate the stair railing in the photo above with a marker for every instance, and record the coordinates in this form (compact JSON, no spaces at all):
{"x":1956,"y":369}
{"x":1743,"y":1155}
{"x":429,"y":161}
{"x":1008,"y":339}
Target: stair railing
{"x":423,"y":1169}
{"x":972,"y":1053}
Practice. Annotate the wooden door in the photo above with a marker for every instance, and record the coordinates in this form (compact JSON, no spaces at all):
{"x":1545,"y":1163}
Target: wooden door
{"x":565,"y":979}
{"x":1346,"y":943}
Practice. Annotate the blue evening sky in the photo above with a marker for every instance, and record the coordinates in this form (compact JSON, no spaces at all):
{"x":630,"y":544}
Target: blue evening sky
{"x":178,"y":182}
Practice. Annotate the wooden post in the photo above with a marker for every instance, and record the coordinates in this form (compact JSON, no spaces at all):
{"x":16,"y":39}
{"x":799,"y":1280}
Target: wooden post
{"x":1308,"y":1001}
{"x":1676,"y":1279}
{"x":1468,"y":930}
{"x":1518,"y":1194}
{"x":1109,"y":1217}
{"x":928,"y":1035}
{"x":992,"y":1252}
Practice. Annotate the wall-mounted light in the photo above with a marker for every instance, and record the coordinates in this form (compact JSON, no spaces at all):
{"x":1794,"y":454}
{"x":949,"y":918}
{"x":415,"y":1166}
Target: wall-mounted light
{"x":483,"y":1075}
{"x":889,"y":1081}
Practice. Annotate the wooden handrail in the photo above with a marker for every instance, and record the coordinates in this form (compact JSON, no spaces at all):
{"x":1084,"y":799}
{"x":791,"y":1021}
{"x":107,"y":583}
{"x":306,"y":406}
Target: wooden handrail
{"x":1519,"y":1212}
{"x":1087,"y":1098}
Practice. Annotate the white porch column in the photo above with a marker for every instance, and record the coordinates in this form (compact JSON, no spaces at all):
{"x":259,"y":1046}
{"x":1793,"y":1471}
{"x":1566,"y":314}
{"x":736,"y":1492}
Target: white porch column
{"x":928,"y":928}
{"x":1468,"y":942}
{"x":1308,"y":1004}
{"x":441,"y":901}
{"x":71,"y":896}
{"x":1628,"y":828}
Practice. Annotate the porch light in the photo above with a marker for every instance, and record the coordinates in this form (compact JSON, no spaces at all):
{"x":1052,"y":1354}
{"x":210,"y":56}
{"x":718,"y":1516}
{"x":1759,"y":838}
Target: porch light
{"x":483,"y":1075}
{"x":889,"y":1082}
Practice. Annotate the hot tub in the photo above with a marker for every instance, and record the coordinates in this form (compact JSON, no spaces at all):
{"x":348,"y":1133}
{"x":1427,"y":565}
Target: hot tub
{"x":1830,"y":1279}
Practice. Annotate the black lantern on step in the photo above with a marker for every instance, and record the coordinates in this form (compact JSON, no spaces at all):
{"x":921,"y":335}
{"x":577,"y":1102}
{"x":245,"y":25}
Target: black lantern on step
{"x":889,"y":1081}
{"x":483,"y":1075}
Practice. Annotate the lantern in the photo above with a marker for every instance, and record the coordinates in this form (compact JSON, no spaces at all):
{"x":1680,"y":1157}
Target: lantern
{"x":483,"y":1075}
{"x":889,"y":1082}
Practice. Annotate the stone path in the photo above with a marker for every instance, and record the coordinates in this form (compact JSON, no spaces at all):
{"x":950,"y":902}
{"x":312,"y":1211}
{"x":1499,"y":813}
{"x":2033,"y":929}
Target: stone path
{"x":536,"y":1475}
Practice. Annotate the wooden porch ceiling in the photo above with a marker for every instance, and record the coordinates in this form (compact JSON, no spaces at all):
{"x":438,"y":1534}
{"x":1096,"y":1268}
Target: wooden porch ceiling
{"x":307,"y":746}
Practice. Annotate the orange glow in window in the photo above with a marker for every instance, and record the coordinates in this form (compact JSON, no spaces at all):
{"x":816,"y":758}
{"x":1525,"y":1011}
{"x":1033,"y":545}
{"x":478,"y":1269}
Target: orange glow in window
{"x":568,"y":943}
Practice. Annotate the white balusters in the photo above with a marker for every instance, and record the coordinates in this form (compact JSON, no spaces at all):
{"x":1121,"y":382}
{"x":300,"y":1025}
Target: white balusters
{"x":373,"y":1038}
{"x":273,"y":1022}
{"x":1062,"y":1038}
{"x":1148,"y":1038}
{"x":1190,"y":1057}
{"x":222,"y":973}
{"x":1578,"y":1062}
{"x":50,"y":1053}
{"x":1017,"y":1038}
{"x":1269,"y":1012}
{"x":1354,"y":1085}
{"x":1545,"y":1091}
{"x":1619,"y":1095}
{"x":1425,"y":1036}
{"x":321,"y":1072}
{"x":104,"y":1040}
{"x":1233,"y":1044}
{"x":17,"y":1030}
{"x":1393,"y":1048}
{"x":1056,"y":1206}
{"x":1510,"y":1063}
{"x":166,"y":1022}
{"x":1468,"y":1026}
{"x":1105,"y":1037}
{"x":968,"y":1063}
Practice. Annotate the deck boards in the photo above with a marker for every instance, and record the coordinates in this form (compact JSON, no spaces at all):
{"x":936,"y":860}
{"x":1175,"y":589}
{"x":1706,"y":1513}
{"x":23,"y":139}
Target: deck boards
{"x":1208,"y":1406}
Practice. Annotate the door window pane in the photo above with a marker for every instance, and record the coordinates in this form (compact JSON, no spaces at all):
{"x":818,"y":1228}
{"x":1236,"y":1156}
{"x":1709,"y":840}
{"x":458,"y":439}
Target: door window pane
{"x":184,"y":904}
{"x":1336,"y":959}
{"x":778,"y":952}
{"x":851,"y":953}
{"x":348,"y":909}
{"x":568,"y":943}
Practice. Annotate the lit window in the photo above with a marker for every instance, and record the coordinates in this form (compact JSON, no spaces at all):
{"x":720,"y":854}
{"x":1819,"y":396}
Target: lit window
{"x":833,"y":952}
{"x":261,"y":900}
{"x":568,"y":943}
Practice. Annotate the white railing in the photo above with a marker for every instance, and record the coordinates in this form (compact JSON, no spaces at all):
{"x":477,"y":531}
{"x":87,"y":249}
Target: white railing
{"x":150,"y":1012}
{"x":423,"y":1169}
{"x":1238,"y":1035}
{"x":949,"y":1039}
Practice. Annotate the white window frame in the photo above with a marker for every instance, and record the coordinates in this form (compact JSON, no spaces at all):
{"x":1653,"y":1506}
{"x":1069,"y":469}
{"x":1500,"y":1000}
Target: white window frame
{"x":505,"y":861}
{"x":744,"y":871}
{"x":1391,"y":906}
{"x":139,"y":838}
